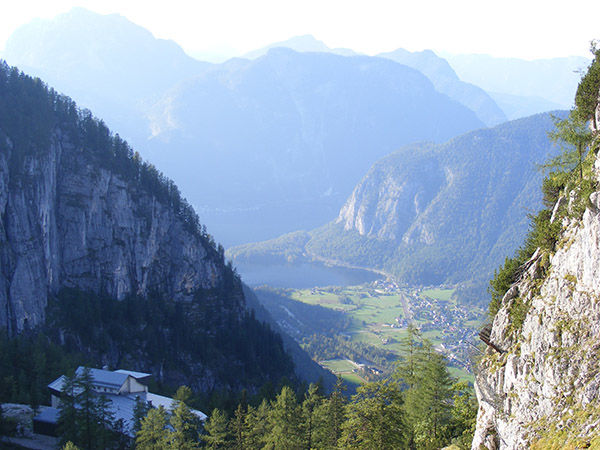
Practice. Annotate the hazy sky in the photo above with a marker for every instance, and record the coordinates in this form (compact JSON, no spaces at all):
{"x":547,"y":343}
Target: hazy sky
{"x":520,"y":28}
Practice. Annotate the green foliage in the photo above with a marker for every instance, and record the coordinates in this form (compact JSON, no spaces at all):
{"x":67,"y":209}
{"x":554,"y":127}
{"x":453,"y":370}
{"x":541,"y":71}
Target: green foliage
{"x":285,"y":422}
{"x":571,"y":176}
{"x":375,"y":418}
{"x":140,"y":410}
{"x":518,"y":311}
{"x":85,"y":418}
{"x":70,"y":446}
{"x":464,"y":414}
{"x":574,"y":137}
{"x":216,"y":432}
{"x":321,"y":348}
{"x":27,"y":362}
{"x":419,"y":408}
{"x":427,"y":395}
{"x":185,"y":425}
{"x":153,"y":432}
{"x":586,"y":98}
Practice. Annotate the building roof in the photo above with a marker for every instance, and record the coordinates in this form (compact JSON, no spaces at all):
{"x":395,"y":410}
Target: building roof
{"x":57,"y":385}
{"x":168,"y":403}
{"x":105,"y":377}
{"x":136,"y":375}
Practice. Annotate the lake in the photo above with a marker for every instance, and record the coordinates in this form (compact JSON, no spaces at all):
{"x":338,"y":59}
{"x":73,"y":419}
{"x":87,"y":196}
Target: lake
{"x":303,"y":275}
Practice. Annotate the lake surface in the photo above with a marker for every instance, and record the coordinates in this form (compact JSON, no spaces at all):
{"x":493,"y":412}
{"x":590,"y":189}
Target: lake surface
{"x":304,"y":275}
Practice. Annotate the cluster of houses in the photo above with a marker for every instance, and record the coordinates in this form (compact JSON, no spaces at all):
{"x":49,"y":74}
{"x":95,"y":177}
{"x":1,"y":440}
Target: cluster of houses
{"x":121,"y":387}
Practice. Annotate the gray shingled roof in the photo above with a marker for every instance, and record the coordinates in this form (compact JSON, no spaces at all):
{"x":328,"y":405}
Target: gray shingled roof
{"x":105,"y":377}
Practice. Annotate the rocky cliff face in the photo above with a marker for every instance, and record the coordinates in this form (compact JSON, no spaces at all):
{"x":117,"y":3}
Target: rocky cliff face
{"x":542,"y":390}
{"x":65,"y":222}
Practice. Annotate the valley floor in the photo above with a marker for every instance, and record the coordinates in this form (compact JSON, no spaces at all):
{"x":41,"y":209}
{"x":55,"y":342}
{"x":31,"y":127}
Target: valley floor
{"x":377,"y":315}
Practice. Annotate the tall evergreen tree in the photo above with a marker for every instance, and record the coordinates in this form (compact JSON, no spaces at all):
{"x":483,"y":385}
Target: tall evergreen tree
{"x":375,"y":418}
{"x":239,"y":428}
{"x":67,"y":412}
{"x":285,"y":422}
{"x":153,"y":433}
{"x":331,"y":415}
{"x":140,"y":410}
{"x":257,"y":425}
{"x":311,"y":403}
{"x":184,"y":423}
{"x":217,"y":435}
{"x":87,"y":410}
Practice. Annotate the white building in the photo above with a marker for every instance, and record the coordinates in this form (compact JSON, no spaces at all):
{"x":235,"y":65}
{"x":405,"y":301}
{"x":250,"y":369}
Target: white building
{"x":121,"y":387}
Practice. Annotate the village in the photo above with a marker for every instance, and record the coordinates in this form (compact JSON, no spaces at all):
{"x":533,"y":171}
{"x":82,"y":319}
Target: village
{"x":385,"y":309}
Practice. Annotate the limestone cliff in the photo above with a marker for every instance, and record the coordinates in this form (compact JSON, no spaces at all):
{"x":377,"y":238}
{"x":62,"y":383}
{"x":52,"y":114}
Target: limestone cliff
{"x":66,"y":222}
{"x":540,"y":386}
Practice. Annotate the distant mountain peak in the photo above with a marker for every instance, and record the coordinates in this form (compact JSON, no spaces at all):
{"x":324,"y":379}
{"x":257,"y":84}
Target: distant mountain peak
{"x":303,"y":43}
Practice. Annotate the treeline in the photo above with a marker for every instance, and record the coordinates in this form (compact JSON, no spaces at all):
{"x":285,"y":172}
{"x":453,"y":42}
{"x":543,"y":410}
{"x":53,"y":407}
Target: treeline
{"x":84,"y":328}
{"x":153,"y":332}
{"x":419,"y":407}
{"x":28,"y":362}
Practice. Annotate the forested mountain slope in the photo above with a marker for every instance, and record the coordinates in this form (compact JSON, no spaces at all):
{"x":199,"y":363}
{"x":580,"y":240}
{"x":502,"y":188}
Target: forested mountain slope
{"x":258,"y":147}
{"x":101,"y":253}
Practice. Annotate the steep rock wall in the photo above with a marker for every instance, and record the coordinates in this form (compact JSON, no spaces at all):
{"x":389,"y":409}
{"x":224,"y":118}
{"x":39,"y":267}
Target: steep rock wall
{"x":544,"y":389}
{"x":66,"y":222}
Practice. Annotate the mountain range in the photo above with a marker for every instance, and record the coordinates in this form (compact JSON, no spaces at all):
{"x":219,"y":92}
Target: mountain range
{"x":260,"y":147}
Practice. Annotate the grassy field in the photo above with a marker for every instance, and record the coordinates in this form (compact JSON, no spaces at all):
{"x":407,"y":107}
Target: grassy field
{"x":338,"y":365}
{"x":439,"y":294}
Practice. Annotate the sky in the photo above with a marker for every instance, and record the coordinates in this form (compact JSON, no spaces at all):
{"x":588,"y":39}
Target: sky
{"x":526,"y":29}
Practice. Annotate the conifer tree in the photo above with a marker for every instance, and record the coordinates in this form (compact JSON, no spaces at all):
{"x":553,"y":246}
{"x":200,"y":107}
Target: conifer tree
{"x":217,"y":435}
{"x":331,"y":415}
{"x":238,"y":428}
{"x":153,"y":433}
{"x":184,"y":423}
{"x":375,"y":418}
{"x":285,"y":421}
{"x":257,"y":425}
{"x":312,"y":401}
{"x":140,"y":409}
{"x":67,"y":412}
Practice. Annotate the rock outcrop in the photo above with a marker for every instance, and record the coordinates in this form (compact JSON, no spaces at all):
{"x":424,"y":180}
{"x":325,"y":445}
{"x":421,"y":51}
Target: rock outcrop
{"x":542,"y":389}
